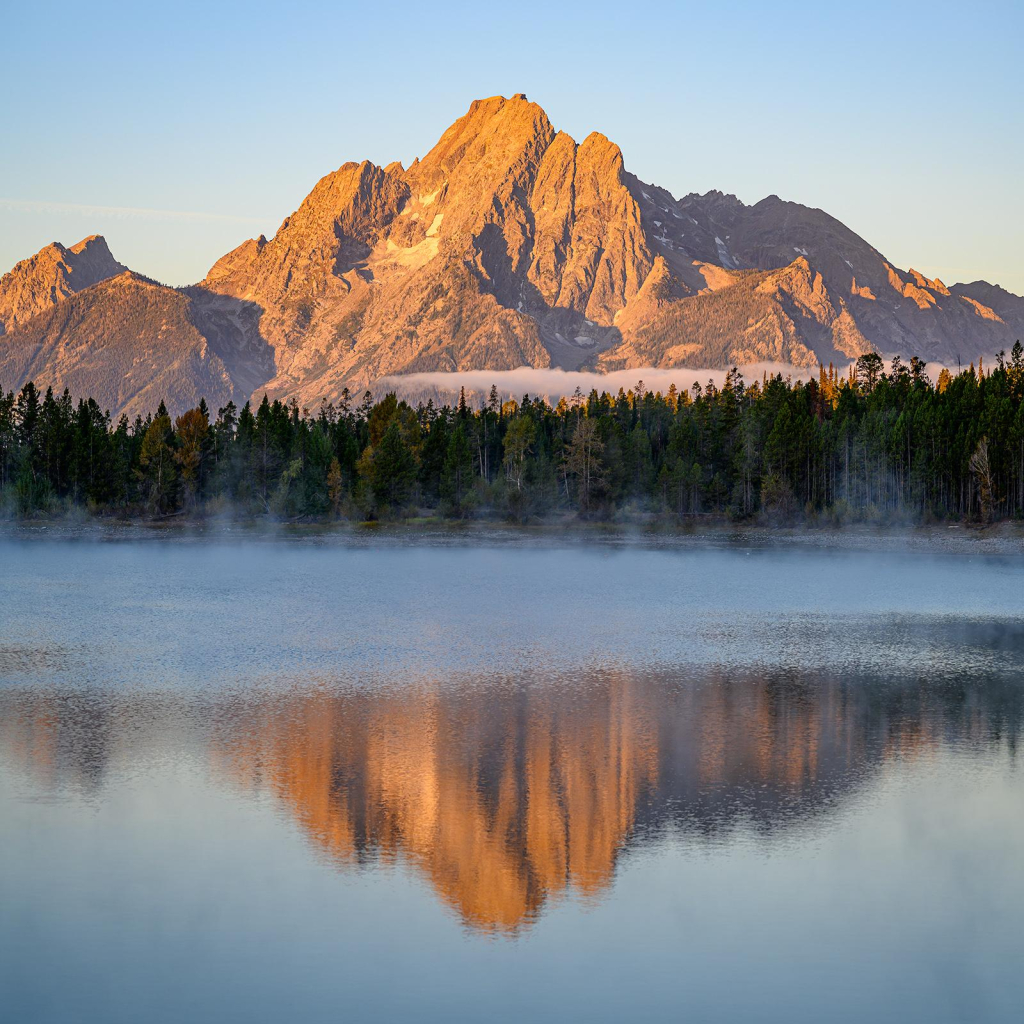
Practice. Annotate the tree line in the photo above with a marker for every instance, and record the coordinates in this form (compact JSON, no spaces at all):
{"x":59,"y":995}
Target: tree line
{"x":867,"y":444}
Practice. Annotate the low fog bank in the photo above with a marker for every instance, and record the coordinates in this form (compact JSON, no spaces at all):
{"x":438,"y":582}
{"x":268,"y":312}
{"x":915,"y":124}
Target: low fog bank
{"x":1004,"y":540}
{"x":553,"y":384}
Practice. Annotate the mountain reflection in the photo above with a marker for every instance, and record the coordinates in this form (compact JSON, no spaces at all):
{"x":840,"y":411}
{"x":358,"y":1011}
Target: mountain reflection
{"x":502,"y":800}
{"x":507,"y":794}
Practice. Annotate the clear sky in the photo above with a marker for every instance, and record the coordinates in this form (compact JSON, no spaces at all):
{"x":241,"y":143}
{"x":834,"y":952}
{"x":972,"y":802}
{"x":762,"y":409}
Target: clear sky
{"x":178,"y":130}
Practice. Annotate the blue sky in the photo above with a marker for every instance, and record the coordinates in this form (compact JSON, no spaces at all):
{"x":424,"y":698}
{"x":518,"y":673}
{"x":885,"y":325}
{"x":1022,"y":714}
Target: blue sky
{"x":179,"y":130}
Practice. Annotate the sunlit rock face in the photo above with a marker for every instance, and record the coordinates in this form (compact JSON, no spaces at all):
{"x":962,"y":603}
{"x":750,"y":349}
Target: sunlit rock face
{"x":509,"y":244}
{"x":54,"y":273}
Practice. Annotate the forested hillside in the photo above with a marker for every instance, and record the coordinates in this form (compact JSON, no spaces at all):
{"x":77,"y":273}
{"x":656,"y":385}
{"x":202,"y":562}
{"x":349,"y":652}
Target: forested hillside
{"x":869,"y":444}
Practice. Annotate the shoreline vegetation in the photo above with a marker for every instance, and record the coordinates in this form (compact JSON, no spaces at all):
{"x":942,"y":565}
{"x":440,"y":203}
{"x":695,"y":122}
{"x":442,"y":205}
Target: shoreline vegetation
{"x":860,"y":453}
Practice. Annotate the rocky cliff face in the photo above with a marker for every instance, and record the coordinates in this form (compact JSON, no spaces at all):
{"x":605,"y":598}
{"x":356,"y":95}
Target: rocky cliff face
{"x":54,"y":273}
{"x":509,"y":244}
{"x":889,"y":310}
{"x":506,"y":245}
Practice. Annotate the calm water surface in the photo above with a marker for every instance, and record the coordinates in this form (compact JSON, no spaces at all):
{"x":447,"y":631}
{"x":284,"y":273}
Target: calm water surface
{"x":290,"y":782}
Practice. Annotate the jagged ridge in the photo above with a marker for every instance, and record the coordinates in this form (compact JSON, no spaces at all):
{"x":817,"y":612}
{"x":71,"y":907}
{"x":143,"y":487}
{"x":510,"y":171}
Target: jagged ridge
{"x":508,"y":244}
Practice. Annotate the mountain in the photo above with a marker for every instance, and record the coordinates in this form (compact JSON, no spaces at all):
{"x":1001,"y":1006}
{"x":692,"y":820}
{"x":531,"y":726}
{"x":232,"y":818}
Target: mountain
{"x":833,"y":283}
{"x":509,"y":244}
{"x":129,"y":343}
{"x":54,"y":273}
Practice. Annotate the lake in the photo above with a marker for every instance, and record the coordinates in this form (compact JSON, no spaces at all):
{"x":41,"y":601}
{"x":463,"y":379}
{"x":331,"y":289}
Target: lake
{"x":316,"y":782}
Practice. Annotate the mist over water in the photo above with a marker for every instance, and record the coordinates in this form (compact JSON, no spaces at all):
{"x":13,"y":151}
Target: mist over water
{"x":265,"y":782}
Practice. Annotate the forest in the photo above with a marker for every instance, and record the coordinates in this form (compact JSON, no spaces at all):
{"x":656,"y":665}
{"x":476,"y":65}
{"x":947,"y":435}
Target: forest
{"x":874,"y":443}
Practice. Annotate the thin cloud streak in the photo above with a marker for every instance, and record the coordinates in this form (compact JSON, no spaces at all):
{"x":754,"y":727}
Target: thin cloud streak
{"x":123,"y":212}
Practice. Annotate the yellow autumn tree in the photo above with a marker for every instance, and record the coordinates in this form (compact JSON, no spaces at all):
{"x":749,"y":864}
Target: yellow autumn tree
{"x":191,"y":428}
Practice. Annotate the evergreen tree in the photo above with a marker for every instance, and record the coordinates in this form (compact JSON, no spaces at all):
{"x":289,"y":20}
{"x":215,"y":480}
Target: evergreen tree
{"x":392,"y":469}
{"x":583,"y":463}
{"x":873,"y":444}
{"x":457,"y":474}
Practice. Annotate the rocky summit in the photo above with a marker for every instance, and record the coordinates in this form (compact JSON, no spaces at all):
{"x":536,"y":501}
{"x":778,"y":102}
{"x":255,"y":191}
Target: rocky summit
{"x":40,"y":282}
{"x":509,"y":244}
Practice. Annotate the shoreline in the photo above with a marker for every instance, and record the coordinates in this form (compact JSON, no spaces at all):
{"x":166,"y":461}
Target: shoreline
{"x":1002,"y":539}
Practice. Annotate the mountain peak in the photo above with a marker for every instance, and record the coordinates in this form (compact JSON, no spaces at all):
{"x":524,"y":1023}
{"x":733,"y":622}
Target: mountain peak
{"x":51,"y":275}
{"x":508,"y":244}
{"x":495,"y":127}
{"x":95,"y":242}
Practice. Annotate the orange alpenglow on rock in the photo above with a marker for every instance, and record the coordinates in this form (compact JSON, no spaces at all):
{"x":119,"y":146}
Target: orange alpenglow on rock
{"x":54,"y":273}
{"x":862,"y":291}
{"x":508,"y":245}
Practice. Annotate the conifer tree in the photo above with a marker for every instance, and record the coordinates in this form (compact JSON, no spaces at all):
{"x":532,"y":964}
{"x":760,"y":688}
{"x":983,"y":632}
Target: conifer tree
{"x":457,"y":475}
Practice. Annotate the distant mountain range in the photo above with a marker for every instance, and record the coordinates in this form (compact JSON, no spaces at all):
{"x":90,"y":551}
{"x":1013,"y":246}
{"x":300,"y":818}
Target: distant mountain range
{"x":509,"y":244}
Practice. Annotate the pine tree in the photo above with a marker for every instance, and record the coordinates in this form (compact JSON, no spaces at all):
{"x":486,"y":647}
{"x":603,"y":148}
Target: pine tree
{"x":583,"y":462}
{"x":335,"y":487}
{"x":392,"y":469}
{"x":457,"y":476}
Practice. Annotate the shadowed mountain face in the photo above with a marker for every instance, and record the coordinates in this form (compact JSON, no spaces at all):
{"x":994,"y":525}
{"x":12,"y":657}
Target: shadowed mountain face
{"x":510,"y":244}
{"x":131,"y":343}
{"x":506,"y":795}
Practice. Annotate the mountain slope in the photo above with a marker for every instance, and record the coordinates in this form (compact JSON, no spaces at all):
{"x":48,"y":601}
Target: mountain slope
{"x":129,"y":343}
{"x":508,"y":244}
{"x":499,"y":249}
{"x":878,"y":305}
{"x":55,"y":272}
{"x":741,"y":316}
